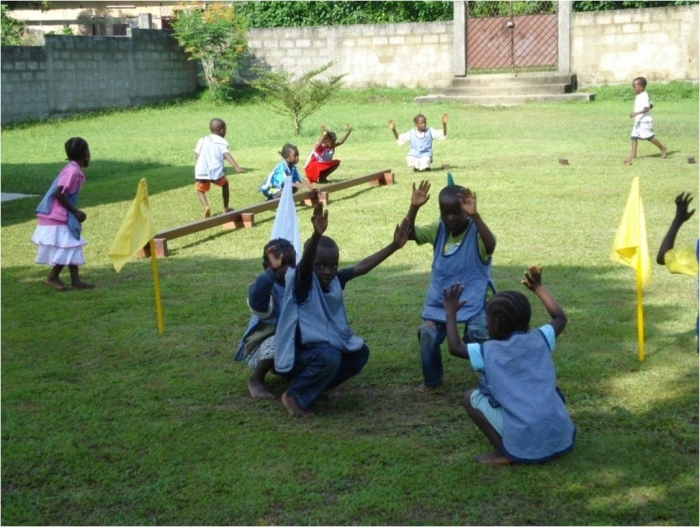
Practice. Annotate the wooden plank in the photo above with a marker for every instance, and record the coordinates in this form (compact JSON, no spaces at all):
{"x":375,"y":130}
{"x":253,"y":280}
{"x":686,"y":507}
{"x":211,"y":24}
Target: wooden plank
{"x":340,"y":185}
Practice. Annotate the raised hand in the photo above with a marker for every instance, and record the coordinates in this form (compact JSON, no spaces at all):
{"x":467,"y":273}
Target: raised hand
{"x":401,"y":233}
{"x":533,"y":277}
{"x":392,"y":126}
{"x":450,"y":298}
{"x":348,"y":127}
{"x":444,"y":118}
{"x":323,"y":127}
{"x":420,"y":195}
{"x":273,"y":260}
{"x":319,"y":219}
{"x":468,"y":201}
{"x":682,"y":204}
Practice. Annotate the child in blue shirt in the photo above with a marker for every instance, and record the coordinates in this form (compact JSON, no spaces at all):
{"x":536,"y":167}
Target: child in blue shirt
{"x":272,"y":185}
{"x":516,"y":404}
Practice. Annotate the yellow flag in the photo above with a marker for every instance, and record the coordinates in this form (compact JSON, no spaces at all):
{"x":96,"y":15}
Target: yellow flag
{"x":630,"y":244}
{"x":136,"y":231}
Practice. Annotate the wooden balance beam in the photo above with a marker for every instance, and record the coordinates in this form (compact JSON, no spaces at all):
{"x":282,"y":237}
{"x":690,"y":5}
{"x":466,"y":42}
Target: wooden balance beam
{"x":245,"y":217}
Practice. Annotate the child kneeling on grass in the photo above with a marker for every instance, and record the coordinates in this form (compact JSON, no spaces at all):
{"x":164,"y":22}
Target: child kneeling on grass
{"x":517,"y":404}
{"x":314,"y":346}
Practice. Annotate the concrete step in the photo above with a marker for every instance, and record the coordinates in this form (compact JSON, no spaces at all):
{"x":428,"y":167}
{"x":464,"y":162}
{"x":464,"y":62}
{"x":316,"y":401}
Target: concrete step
{"x":514,"y":78}
{"x":509,"y":89}
{"x":505,"y":100}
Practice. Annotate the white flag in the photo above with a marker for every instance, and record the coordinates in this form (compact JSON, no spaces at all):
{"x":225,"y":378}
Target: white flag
{"x":286,"y":225}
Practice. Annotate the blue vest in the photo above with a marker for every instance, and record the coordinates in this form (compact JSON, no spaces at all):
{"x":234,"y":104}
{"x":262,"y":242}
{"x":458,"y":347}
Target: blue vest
{"x":519,"y":376}
{"x":321,"y":319}
{"x":257,"y":323}
{"x":464,"y":266}
{"x":44,"y":207}
{"x":421,"y":147}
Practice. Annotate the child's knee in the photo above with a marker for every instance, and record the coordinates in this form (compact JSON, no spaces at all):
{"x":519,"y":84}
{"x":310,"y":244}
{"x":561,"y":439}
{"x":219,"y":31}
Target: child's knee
{"x":467,"y":401}
{"x":428,"y":334}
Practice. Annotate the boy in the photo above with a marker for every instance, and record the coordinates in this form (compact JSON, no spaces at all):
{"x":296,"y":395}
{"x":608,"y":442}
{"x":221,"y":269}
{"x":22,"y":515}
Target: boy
{"x":643,"y":124}
{"x":462,"y":250}
{"x":420,"y":156}
{"x":210,"y":153}
{"x":314,"y":347}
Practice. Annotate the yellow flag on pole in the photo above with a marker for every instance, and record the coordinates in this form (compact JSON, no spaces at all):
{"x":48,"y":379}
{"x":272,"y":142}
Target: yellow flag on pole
{"x":136,"y":231}
{"x":630,"y":248}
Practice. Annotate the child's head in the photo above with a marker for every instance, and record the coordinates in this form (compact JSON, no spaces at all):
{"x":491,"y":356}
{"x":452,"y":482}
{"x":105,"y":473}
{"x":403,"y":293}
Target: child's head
{"x":639,"y":85}
{"x":326,"y":261}
{"x":329,"y":140}
{"x":217,"y":127}
{"x":77,"y":150}
{"x":286,"y":250}
{"x":290,"y":154}
{"x":451,"y":213}
{"x":420,"y":122}
{"x":506,"y":312}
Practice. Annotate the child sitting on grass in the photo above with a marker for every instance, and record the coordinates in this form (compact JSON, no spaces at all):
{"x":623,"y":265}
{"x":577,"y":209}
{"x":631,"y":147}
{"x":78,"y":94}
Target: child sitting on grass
{"x":314,"y":346}
{"x":271,"y":187}
{"x":321,"y":164}
{"x":420,"y":156}
{"x":517,"y":404}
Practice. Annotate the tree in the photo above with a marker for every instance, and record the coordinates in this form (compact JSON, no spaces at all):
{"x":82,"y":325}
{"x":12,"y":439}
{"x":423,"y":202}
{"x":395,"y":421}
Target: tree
{"x":216,"y":36}
{"x":12,"y":29}
{"x":297,"y":98}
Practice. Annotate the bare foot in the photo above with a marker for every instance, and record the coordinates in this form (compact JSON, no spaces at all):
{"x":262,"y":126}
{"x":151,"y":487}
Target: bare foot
{"x":425,"y":389}
{"x":663,"y":153}
{"x":258,"y":390}
{"x":495,"y":457}
{"x":292,"y":406}
{"x":207,"y":212}
{"x":82,"y":285}
{"x":628,"y":161}
{"x":56,"y":284}
{"x":227,"y":209}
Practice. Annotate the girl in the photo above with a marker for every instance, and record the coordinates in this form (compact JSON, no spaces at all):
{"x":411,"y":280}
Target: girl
{"x":272,"y":185}
{"x":321,"y":163}
{"x":57,"y":235}
{"x":420,"y":155}
{"x":264,"y":299}
{"x":517,"y":404}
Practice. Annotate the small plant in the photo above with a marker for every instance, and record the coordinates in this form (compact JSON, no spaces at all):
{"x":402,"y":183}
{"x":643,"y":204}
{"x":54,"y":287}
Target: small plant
{"x":12,"y":29}
{"x":297,"y":98}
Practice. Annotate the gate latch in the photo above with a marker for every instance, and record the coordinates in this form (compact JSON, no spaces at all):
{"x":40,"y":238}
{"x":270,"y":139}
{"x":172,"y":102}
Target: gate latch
{"x":510,"y":24}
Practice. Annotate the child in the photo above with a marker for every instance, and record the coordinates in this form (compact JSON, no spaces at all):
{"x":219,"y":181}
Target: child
{"x":517,"y":404}
{"x":462,"y":250}
{"x":264,"y":300}
{"x":314,"y":347}
{"x":643,"y":124}
{"x":420,"y":156}
{"x":273,"y":184}
{"x":321,"y":164}
{"x":57,"y":234}
{"x":210,"y":153}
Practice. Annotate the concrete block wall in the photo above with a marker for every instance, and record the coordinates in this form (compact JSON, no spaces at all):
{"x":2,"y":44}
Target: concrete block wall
{"x":614,"y":47}
{"x":24,"y":81}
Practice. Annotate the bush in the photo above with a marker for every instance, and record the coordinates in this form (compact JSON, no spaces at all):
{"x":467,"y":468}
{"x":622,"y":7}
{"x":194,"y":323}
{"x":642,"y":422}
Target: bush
{"x":12,"y":29}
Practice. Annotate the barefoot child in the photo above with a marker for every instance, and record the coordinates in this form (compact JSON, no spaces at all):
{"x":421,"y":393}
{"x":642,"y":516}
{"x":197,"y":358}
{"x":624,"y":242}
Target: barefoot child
{"x":643,"y":123}
{"x":463,"y":246}
{"x":517,"y":404}
{"x":321,"y":163}
{"x":272,"y":185}
{"x":210,"y":152}
{"x":57,"y":234}
{"x":420,"y":156}
{"x":264,"y":300}
{"x":314,"y":347}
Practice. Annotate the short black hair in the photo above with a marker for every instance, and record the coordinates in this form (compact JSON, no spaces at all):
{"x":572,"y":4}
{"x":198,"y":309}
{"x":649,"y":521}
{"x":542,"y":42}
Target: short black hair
{"x":641,"y":81}
{"x":415,"y":119}
{"x":325,"y":242}
{"x":76,"y":149}
{"x":512,"y":310}
{"x":216,"y":125}
{"x":452,"y":191}
{"x":287,"y":149}
{"x":281,"y":244}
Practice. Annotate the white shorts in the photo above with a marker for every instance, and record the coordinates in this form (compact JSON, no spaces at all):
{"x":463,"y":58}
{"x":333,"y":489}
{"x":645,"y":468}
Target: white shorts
{"x":493,"y":415}
{"x":643,"y":129}
{"x":419,"y":163}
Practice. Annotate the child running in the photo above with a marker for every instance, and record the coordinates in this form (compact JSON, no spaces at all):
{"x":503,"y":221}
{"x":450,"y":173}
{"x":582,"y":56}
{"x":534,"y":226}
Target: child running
{"x":264,"y":300}
{"x":314,"y":347}
{"x":643,"y":123}
{"x":321,"y":164}
{"x":59,"y":222}
{"x":210,"y":152}
{"x":517,"y":404}
{"x":462,"y":249}
{"x":272,"y":185}
{"x":420,"y":156}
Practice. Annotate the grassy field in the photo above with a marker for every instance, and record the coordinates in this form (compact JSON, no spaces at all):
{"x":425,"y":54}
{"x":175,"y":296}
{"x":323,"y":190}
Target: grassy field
{"x":106,"y":422}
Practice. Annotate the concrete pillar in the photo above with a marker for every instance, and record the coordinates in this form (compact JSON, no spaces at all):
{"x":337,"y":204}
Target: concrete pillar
{"x":564,"y":11}
{"x":145,"y":21}
{"x":459,"y":43}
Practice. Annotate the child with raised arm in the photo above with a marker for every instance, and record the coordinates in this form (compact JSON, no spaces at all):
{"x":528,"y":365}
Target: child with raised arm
{"x":643,"y":123}
{"x":463,"y":246}
{"x":264,"y":301}
{"x":517,"y":404}
{"x":314,"y":346}
{"x":59,"y":221}
{"x":210,"y":152}
{"x":271,"y":187}
{"x":321,"y":164}
{"x":420,"y":156}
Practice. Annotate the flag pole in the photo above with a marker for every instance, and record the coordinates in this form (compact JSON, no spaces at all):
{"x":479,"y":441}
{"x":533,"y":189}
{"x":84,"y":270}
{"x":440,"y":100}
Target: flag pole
{"x":640,"y":310}
{"x":156,"y":285}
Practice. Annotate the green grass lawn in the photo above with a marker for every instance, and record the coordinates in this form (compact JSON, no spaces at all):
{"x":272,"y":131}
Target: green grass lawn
{"x":106,"y":422}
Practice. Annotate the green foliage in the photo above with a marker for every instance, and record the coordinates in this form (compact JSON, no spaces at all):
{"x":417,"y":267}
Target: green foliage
{"x":483,"y":9}
{"x":297,"y":98}
{"x":605,"y":5}
{"x":214,"y":35}
{"x":672,"y":91}
{"x":12,"y":29}
{"x":304,"y":13}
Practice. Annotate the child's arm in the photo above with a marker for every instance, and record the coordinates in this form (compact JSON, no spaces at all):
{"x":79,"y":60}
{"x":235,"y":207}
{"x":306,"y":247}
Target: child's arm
{"x":319,"y":219}
{"x":372,"y":261}
{"x":345,"y":137}
{"x":469,"y":207}
{"x":452,"y":303}
{"x":682,"y":215}
{"x":63,"y":200}
{"x":419,"y":197}
{"x":444,"y":124}
{"x":533,"y":281}
{"x":259,"y":293}
{"x":392,"y":127}
{"x":229,"y":158}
